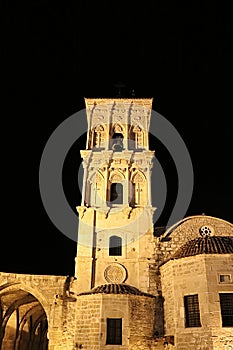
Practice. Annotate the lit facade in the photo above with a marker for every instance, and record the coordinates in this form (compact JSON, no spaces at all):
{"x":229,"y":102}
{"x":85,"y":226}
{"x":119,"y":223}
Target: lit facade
{"x":133,"y":288}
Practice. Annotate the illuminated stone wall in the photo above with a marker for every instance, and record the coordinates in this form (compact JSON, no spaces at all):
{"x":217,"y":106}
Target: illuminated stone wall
{"x":36,"y":307}
{"x":137,"y":313}
{"x":196,"y":275}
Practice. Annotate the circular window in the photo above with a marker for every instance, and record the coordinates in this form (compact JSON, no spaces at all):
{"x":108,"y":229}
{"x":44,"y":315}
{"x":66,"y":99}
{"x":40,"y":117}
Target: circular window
{"x":206,"y":231}
{"x":115,"y":273}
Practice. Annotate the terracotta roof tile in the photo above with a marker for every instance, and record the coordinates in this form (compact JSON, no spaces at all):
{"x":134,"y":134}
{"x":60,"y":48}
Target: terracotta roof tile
{"x":205,"y":245}
{"x":116,"y":288}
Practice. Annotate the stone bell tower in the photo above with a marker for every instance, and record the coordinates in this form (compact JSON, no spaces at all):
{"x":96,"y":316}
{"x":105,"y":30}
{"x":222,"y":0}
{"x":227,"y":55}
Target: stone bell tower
{"x":115,"y":235}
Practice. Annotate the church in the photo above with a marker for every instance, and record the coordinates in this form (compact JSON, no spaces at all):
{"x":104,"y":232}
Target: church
{"x":135,"y":287}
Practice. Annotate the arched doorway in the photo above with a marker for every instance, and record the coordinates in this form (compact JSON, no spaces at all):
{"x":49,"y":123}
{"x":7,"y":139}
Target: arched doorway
{"x":23,"y":321}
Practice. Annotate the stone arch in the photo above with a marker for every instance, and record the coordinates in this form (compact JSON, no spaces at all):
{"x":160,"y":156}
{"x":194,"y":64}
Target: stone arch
{"x":116,"y":187}
{"x":118,"y":128}
{"x":116,"y":176}
{"x":138,"y":176}
{"x":117,"y":137}
{"x":9,"y":285}
{"x":136,"y":137}
{"x":116,"y":312}
{"x":32,"y":289}
{"x":139,"y":188}
{"x":24,"y":309}
{"x":98,"y":136}
{"x":96,"y":189}
{"x":95,"y":176}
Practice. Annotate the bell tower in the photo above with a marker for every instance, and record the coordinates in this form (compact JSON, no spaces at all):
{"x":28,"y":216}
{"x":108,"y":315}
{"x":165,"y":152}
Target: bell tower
{"x":115,"y":234}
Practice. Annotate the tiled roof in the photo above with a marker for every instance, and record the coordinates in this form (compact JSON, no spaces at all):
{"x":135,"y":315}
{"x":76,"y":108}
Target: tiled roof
{"x":158,"y":231}
{"x":116,"y":288}
{"x":205,"y":245}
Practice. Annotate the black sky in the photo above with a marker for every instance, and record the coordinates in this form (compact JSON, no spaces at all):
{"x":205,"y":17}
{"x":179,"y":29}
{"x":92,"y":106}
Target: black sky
{"x":57,"y":53}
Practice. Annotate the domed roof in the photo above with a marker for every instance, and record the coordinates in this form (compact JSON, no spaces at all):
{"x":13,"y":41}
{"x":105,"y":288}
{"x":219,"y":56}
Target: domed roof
{"x":205,"y":245}
{"x":115,"y":288}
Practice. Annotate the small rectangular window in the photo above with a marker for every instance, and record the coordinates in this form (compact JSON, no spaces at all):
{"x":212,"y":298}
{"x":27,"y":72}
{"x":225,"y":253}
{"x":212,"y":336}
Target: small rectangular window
{"x":114,"y":331}
{"x":192,"y":312}
{"x":226,"y":304}
{"x":225,"y":278}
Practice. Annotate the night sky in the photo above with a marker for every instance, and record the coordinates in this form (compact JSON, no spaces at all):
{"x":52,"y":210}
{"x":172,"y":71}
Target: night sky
{"x":55,"y":54}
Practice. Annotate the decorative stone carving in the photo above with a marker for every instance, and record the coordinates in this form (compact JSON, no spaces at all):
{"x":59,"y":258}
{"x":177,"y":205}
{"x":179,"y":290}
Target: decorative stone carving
{"x":138,"y":177}
{"x":206,"y":231}
{"x":118,"y":117}
{"x":115,"y":273}
{"x":118,"y":128}
{"x":116,"y":176}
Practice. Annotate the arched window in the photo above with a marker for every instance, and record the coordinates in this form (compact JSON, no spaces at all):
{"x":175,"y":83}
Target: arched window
{"x":116,"y":193}
{"x":138,"y":137}
{"x":115,"y":246}
{"x":139,"y":189}
{"x":99,"y":136}
{"x":95,"y":189}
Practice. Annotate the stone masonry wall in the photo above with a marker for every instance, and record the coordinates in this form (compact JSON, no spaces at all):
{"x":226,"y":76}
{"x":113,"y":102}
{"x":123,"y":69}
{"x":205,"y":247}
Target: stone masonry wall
{"x":50,"y":292}
{"x":168,"y":243}
{"x":141,"y":325}
{"x":138,"y":321}
{"x":196,"y":275}
{"x":221,"y":336}
{"x":88,"y":322}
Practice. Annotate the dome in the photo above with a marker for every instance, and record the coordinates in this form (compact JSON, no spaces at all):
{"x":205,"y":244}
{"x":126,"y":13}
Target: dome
{"x":205,"y":245}
{"x":115,"y":288}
